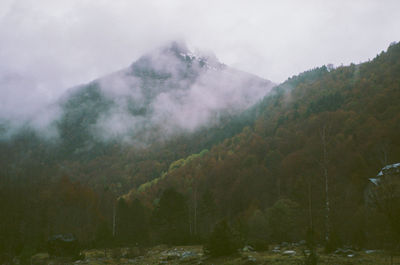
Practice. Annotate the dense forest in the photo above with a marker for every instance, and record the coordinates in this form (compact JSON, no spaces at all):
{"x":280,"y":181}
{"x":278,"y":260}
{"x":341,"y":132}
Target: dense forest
{"x":292,"y":167}
{"x":318,"y":139}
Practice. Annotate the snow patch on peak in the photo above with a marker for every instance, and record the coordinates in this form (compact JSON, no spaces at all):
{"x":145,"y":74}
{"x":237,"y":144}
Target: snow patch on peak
{"x":175,"y":47}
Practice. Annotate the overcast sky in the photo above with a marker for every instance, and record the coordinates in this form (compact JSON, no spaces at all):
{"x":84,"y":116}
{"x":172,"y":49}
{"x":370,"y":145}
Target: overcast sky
{"x":53,"y":45}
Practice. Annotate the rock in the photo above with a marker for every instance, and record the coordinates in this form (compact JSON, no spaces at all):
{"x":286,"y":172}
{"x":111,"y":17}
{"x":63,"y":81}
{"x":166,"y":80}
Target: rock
{"x":170,"y":255}
{"x":344,"y":251}
{"x":276,"y":249}
{"x":40,"y":259}
{"x":289,"y":252}
{"x":370,"y":251}
{"x":188,"y":254}
{"x":247,"y":248}
{"x":249,"y":260}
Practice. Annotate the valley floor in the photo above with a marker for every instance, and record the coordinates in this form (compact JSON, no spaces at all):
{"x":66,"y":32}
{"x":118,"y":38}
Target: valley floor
{"x":194,"y":255}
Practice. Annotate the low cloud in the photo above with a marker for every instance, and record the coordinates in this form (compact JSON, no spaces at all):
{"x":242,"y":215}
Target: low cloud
{"x":178,"y":98}
{"x":26,"y":105}
{"x":50,"y":46}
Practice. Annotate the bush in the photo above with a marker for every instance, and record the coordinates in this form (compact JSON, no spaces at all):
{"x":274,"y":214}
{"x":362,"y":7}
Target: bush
{"x":284,"y":221}
{"x":116,"y":253}
{"x":134,"y":252}
{"x":310,"y":256}
{"x":259,"y":244}
{"x":221,"y":241}
{"x":258,"y":231}
{"x":333,"y":243}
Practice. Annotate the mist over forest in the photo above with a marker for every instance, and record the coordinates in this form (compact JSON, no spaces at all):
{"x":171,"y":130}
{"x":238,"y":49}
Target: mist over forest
{"x":255,"y":136}
{"x":170,"y":90}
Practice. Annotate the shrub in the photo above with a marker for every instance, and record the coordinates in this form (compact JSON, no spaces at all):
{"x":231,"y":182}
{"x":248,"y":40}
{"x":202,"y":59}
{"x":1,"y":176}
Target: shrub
{"x":221,"y":241}
{"x":333,"y":243}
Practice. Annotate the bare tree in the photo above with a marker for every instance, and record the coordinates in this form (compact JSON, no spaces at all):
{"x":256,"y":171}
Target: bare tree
{"x":324,"y":166}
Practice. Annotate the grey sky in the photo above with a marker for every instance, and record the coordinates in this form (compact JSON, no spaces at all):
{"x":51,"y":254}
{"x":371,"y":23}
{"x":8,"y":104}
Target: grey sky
{"x":53,"y":45}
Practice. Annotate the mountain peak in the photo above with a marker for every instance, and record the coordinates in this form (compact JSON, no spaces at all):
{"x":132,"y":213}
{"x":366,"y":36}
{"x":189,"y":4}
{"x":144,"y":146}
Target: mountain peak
{"x":175,"y":55}
{"x":180,"y":50}
{"x":176,"y":47}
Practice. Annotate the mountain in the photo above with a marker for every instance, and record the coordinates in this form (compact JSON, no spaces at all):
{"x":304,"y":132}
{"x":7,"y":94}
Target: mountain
{"x":166,"y":92}
{"x":168,"y":104}
{"x":162,"y":150}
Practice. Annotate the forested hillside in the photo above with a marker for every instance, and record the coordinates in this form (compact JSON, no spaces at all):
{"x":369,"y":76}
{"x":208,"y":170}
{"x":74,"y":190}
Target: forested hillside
{"x":319,"y":138}
{"x":294,"y":164}
{"x":126,"y":128}
{"x":112,"y":135}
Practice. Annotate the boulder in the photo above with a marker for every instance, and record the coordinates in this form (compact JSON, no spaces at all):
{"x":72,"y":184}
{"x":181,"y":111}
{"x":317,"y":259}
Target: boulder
{"x":247,"y":248}
{"x":188,"y":255}
{"x":276,"y":249}
{"x":344,"y":251}
{"x":289,"y":252}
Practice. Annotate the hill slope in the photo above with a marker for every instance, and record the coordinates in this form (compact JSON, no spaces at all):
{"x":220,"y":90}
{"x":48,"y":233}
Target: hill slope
{"x":266,"y":170}
{"x":125,"y":128}
{"x":165,"y":93}
{"x":341,"y":125}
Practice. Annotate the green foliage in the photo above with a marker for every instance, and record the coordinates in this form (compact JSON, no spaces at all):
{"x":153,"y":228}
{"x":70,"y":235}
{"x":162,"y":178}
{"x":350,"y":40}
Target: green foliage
{"x":283,"y":221}
{"x":132,"y":222}
{"x":81,"y":111}
{"x":330,"y":102}
{"x":310,"y":254}
{"x":148,"y":184}
{"x":334,"y":242}
{"x":183,"y":161}
{"x":170,"y":218}
{"x":310,"y":258}
{"x":207,"y":214}
{"x":26,"y":254}
{"x":221,"y":241}
{"x":258,"y":235}
{"x":386,"y":200}
{"x":103,"y":237}
{"x":173,"y":166}
{"x":176,"y":164}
